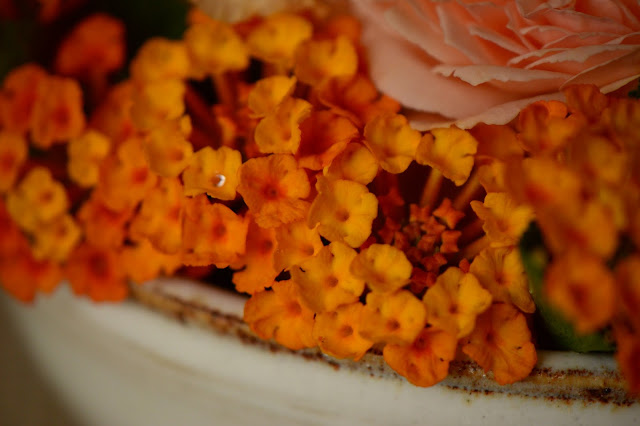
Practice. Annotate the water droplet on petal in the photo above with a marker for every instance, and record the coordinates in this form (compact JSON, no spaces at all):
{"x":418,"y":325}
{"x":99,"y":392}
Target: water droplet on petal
{"x":220,"y":179}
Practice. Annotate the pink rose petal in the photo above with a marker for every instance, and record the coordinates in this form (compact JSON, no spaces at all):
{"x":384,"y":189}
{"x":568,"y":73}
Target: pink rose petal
{"x":581,"y":58}
{"x":404,"y":72}
{"x":499,"y":114}
{"x":611,"y":72}
{"x":406,"y":21}
{"x":582,"y":23}
{"x":510,"y":79}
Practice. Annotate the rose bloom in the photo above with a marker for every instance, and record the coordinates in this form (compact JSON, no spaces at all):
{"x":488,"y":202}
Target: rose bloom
{"x":470,"y":61}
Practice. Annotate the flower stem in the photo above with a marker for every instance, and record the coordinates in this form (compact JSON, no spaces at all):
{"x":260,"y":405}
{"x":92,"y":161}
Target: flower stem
{"x":224,"y":90}
{"x":431,"y":188}
{"x":471,"y":250}
{"x":467,"y":193}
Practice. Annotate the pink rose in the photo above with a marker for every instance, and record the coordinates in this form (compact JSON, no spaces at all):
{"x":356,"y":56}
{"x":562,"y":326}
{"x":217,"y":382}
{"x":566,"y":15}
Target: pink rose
{"x":470,"y":61}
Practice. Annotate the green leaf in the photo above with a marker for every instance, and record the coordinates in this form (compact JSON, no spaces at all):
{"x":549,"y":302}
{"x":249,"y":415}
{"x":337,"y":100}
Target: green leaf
{"x":559,"y":332}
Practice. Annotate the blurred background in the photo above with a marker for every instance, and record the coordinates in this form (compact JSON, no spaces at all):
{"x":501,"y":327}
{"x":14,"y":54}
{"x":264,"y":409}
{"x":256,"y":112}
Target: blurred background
{"x":26,"y":399}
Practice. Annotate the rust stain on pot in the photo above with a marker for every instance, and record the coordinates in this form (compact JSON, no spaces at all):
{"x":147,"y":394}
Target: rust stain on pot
{"x":559,"y":386}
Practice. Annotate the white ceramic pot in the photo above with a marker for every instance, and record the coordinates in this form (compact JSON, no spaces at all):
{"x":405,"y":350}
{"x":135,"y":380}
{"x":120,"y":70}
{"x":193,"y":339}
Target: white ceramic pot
{"x":128,"y":365}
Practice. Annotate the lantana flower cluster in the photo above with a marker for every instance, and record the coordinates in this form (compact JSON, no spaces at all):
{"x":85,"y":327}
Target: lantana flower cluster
{"x":263,"y":147}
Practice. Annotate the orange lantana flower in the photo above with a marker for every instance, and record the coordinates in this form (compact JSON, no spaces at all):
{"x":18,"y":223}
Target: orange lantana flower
{"x":57,"y":114}
{"x":455,"y":301}
{"x":167,"y":148}
{"x":21,"y":90}
{"x":355,"y":98}
{"x":504,"y":220}
{"x":392,"y":140}
{"x":256,"y":265}
{"x":215,"y":48}
{"x":55,"y":240}
{"x":103,"y":228}
{"x":296,"y":243}
{"x":23,"y":276}
{"x":157,"y":102}
{"x":214,"y":172}
{"x":125,"y":178}
{"x":501,"y":342}
{"x":85,"y":153}
{"x":276,"y":39}
{"x":160,"y":59}
{"x":500,"y":271}
{"x":159,"y":218}
{"x":545,"y":127}
{"x":324,"y":135}
{"x":92,"y":49}
{"x":450,"y":151}
{"x":279,"y":132}
{"x":143,"y":262}
{"x":278,"y":314}
{"x":320,"y":60}
{"x":337,"y":332}
{"x":354,"y":163}
{"x":37,"y":199}
{"x":212,"y":233}
{"x":383,"y":267}
{"x":582,"y":288}
{"x":424,"y":362}
{"x":268,"y":93}
{"x":13,"y":153}
{"x":344,"y":211}
{"x":325,"y":280}
{"x":96,"y":273}
{"x":274,"y":188}
{"x":394,"y":318}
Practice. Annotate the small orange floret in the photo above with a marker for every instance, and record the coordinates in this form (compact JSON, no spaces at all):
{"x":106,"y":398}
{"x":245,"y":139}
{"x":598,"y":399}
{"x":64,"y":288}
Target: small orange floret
{"x":142,"y":262}
{"x":450,"y":151}
{"x":337,"y":332}
{"x":394,"y":318}
{"x":323,"y":136}
{"x":392,"y":140}
{"x":13,"y":153}
{"x":215,"y":48}
{"x":278,"y":314}
{"x":354,"y":163}
{"x":37,"y":199}
{"x":501,"y":342}
{"x":85,"y":153}
{"x":95,"y":46}
{"x":57,"y":115}
{"x":22,"y":276}
{"x":268,"y":93}
{"x":276,"y":39}
{"x":320,"y":60}
{"x":583,"y":289}
{"x":159,"y":218}
{"x":296,"y":243}
{"x":455,"y":301}
{"x":214,"y":172}
{"x":344,"y":211}
{"x":212,"y":233}
{"x":545,"y":127}
{"x":504,"y":220}
{"x":424,"y":362}
{"x":103,"y":227}
{"x":279,"y":131}
{"x":274,"y":188}
{"x":500,"y":271}
{"x":21,"y":90}
{"x":97,"y":274}
{"x":257,"y":271}
{"x":160,"y":59}
{"x":383,"y":267}
{"x":325,"y":280}
{"x":167,"y":148}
